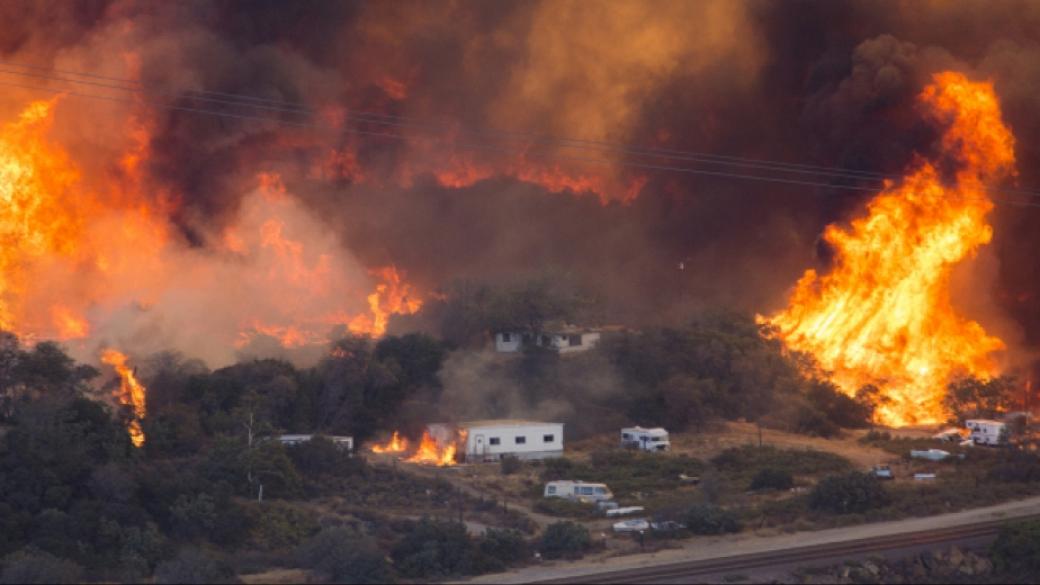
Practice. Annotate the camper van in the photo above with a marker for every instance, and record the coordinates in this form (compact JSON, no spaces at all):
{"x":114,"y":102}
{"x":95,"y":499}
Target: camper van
{"x":987,"y":432}
{"x":652,"y":440}
{"x":578,"y":491}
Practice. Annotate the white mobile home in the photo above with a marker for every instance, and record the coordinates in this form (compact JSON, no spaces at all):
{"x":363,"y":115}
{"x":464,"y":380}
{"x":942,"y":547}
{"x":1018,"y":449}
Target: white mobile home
{"x":578,"y":490}
{"x":489,"y":440}
{"x":987,"y":432}
{"x":655,"y":439}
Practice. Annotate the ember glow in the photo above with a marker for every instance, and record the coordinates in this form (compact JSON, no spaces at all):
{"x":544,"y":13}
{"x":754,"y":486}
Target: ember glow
{"x":131,"y":393}
{"x":883,"y":314}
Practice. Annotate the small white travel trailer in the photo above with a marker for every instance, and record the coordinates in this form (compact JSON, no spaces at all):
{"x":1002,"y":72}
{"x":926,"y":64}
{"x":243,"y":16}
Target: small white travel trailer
{"x":578,"y":491}
{"x":490,"y":440}
{"x":653,"y":440}
{"x":987,"y":432}
{"x":343,"y":442}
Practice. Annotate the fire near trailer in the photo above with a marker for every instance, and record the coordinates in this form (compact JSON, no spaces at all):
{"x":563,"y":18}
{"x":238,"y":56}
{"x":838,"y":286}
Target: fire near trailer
{"x":490,"y":440}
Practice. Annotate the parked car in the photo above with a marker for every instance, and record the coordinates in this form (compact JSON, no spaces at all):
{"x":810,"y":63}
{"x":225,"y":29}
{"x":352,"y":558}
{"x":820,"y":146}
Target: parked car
{"x":667,"y":526}
{"x":579,"y":491}
{"x":637,"y":525}
{"x":882,"y":472}
{"x":930,"y":454}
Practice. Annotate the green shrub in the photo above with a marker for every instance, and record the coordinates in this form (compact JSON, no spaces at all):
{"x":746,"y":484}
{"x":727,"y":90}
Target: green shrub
{"x":710,"y":519}
{"x":814,"y":423}
{"x":510,"y":464}
{"x":434,"y":549}
{"x":507,"y":546}
{"x":839,"y":408}
{"x":557,"y":468}
{"x":1017,"y":549}
{"x":194,"y":566}
{"x":278,"y":526}
{"x":565,"y":540}
{"x":852,"y":492}
{"x":344,"y":556}
{"x":770,"y":478}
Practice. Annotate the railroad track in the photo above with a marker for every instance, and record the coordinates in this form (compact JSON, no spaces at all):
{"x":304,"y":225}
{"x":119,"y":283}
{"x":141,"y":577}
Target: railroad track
{"x":800,"y":556}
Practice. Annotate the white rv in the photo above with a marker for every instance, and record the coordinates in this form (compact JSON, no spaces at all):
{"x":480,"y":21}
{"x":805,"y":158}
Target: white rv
{"x":490,"y":440}
{"x":987,"y":432}
{"x":653,"y":440}
{"x":578,"y":491}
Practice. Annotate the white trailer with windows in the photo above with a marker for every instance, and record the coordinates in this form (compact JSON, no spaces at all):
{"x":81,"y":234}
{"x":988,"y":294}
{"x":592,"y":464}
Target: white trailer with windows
{"x":578,"y":491}
{"x":655,"y":439}
{"x":987,"y":432}
{"x":490,"y":440}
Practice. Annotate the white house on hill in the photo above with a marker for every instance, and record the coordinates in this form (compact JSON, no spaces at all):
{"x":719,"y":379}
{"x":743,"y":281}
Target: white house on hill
{"x":566,"y":339}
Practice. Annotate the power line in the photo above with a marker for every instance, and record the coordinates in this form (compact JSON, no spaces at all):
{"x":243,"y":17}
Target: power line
{"x":400,"y":121}
{"x":403,"y":122}
{"x":491,"y":147}
{"x":267,"y":104}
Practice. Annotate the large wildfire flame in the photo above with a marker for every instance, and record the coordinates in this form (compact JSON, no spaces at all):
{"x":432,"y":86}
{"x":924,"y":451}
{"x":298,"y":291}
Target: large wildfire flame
{"x":82,"y":254}
{"x":440,"y":452}
{"x":131,"y":392}
{"x":883,"y":315}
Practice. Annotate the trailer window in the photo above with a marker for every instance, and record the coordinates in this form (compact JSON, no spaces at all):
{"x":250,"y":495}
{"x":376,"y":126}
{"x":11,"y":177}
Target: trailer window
{"x":586,"y":491}
{"x":548,"y":438}
{"x":626,"y":436}
{"x":574,"y":340}
{"x":506,"y":337}
{"x":600,"y":491}
{"x":551,"y":490}
{"x":521,"y":440}
{"x":495,"y":441}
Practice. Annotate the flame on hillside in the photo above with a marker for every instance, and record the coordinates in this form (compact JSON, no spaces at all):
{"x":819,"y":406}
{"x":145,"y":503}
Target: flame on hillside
{"x":438,"y":451}
{"x":883,"y":315}
{"x":396,"y":444}
{"x":131,"y":392}
{"x":438,"y":446}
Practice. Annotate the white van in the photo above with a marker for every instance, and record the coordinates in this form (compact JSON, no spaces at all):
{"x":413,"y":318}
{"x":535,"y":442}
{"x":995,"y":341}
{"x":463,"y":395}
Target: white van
{"x":653,"y":440}
{"x":578,"y":491}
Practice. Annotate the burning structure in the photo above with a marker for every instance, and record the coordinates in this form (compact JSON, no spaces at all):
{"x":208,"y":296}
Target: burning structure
{"x":444,"y":444}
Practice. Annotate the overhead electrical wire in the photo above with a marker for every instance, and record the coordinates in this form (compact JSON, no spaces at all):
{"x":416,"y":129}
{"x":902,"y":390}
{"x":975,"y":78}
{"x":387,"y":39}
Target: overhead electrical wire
{"x":528,"y":140}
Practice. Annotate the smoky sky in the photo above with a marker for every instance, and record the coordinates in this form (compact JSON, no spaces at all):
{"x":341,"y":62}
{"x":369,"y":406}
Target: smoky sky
{"x":822,"y":83}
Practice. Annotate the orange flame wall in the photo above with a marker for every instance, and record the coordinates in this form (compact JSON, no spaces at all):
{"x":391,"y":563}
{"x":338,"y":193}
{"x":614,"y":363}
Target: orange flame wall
{"x":883,"y":314}
{"x":83,"y":259}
